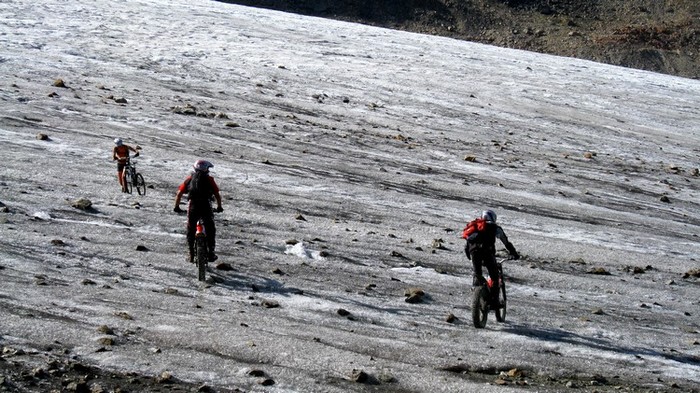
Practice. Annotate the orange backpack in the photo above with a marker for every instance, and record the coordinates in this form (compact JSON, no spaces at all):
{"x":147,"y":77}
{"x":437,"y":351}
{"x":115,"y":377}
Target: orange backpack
{"x":473,"y":227}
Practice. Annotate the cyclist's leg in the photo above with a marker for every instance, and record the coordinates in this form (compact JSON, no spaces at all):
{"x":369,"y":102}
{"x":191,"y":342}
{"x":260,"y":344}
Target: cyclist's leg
{"x":211,"y":234}
{"x":124,"y":182}
{"x":120,"y":174}
{"x":477,"y":262}
{"x":192,"y":217}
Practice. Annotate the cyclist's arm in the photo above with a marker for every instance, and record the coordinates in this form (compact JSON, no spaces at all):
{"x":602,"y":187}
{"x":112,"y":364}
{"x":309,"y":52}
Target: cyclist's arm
{"x":217,"y":194}
{"x":504,"y":239}
{"x":178,"y":197}
{"x":181,"y":190}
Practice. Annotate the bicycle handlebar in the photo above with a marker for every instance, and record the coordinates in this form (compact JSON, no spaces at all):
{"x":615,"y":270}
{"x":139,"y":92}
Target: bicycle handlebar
{"x":126,"y":158}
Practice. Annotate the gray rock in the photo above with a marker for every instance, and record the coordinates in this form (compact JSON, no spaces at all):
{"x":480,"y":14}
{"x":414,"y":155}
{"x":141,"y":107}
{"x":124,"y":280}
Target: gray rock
{"x":82,"y":204}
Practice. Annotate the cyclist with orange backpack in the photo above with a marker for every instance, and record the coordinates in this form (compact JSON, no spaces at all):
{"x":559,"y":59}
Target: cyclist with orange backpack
{"x":480,"y":248}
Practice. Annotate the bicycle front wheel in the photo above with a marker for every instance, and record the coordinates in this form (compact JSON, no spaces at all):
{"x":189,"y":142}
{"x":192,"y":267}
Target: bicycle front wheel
{"x":480,"y":306}
{"x":501,"y":310}
{"x":140,"y":184}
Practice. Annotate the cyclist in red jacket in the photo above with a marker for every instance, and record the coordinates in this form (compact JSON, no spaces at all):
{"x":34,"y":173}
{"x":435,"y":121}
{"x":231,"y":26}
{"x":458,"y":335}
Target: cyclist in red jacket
{"x":200,"y":188}
{"x":120,"y":153}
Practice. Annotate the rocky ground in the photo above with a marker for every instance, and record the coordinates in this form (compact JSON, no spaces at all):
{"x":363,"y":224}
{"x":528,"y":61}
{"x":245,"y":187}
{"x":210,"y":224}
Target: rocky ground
{"x":51,"y":369}
{"x":660,"y":36}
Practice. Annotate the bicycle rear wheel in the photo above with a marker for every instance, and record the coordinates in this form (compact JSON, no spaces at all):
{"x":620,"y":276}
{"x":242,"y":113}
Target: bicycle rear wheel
{"x":480,"y":306}
{"x":140,"y":184}
{"x":501,"y":310}
{"x":201,"y":257}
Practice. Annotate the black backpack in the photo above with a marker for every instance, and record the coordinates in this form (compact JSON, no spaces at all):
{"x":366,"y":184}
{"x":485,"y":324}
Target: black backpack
{"x":199,"y":189}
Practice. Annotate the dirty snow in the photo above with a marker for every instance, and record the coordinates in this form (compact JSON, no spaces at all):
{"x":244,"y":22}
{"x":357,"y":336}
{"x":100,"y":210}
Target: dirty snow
{"x":383,"y":142}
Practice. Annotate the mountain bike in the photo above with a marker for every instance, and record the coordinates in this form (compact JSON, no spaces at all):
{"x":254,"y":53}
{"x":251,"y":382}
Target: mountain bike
{"x":201,"y":250}
{"x":482,"y":302}
{"x":132,"y":178}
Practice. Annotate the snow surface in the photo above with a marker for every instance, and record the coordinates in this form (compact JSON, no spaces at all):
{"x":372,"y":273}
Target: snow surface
{"x":367,"y":146}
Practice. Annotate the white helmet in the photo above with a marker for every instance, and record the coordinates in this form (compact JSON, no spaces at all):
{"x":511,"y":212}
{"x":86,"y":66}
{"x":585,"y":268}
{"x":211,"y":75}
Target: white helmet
{"x":118,"y":141}
{"x":489,"y":216}
{"x":202,"y":165}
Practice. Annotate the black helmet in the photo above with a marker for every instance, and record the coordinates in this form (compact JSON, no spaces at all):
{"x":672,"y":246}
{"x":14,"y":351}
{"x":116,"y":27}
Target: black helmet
{"x":489,"y":216}
{"x":202,"y":165}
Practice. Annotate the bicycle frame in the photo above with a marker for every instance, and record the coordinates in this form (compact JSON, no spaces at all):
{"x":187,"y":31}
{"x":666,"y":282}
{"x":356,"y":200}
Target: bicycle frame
{"x":201,"y":230}
{"x":132,"y":179}
{"x":129,"y":170}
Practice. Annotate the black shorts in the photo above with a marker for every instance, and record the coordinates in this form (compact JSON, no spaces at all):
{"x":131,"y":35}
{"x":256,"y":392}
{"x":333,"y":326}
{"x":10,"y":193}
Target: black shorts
{"x":120,"y":166}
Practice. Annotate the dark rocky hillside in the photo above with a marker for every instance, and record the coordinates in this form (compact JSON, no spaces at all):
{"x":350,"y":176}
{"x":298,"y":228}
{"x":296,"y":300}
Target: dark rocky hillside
{"x":655,"y":35}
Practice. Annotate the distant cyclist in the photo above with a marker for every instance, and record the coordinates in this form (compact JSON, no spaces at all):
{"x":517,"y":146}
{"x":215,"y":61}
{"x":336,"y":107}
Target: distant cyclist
{"x":200,"y":188}
{"x":481,"y":235}
{"x":120,"y":153}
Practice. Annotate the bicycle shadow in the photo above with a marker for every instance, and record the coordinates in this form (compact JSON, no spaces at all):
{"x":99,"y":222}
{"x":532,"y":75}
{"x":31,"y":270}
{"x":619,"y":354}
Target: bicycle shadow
{"x":559,"y":336}
{"x":262,"y":285}
{"x":231,"y":280}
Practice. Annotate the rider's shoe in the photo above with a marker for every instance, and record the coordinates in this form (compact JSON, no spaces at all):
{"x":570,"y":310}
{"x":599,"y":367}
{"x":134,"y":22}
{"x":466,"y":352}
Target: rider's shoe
{"x":213,"y":257}
{"x":478,"y":281}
